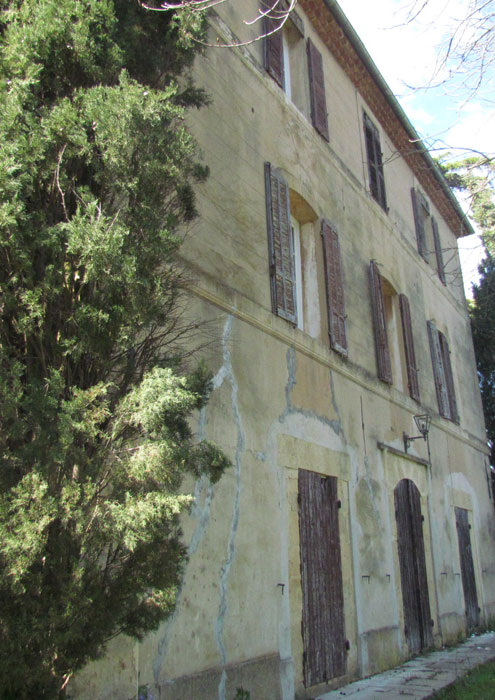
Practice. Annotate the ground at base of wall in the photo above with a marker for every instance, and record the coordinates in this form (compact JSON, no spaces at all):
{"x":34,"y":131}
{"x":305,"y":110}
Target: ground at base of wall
{"x":422,"y":676}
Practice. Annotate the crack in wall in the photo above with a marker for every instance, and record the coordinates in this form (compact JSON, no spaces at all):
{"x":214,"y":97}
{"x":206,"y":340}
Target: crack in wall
{"x":240,"y":447}
{"x":200,"y":511}
{"x":290,"y":410}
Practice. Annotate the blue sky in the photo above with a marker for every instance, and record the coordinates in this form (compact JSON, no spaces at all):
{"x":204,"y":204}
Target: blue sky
{"x":407,"y":55}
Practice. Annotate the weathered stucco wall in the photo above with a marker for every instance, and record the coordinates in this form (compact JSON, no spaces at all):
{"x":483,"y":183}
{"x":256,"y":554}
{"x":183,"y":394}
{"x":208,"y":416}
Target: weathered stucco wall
{"x":284,"y":401}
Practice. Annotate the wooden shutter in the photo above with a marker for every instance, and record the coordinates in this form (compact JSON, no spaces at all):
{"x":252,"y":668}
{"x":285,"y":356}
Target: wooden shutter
{"x":449,"y":377}
{"x":412,"y":561}
{"x":412,"y":370}
{"x":335,"y":288}
{"x":467,"y":569}
{"x":280,"y":245}
{"x":417,"y":204}
{"x":323,"y":625}
{"x":438,"y":250}
{"x":273,"y":52}
{"x":317,"y":90}
{"x":437,"y":360}
{"x":380,"y":326}
{"x":375,"y":163}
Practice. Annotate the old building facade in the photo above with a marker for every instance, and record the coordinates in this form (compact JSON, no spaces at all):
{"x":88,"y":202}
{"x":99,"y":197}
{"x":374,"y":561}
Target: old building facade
{"x":325,"y":259}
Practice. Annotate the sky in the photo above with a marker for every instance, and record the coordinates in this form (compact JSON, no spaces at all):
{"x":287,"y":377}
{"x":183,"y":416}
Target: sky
{"x":406,"y":54}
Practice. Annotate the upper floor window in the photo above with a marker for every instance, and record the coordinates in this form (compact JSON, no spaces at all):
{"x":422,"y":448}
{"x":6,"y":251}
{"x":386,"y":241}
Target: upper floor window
{"x":442,"y":372}
{"x":283,"y":56}
{"x":281,"y":246}
{"x":293,"y":267}
{"x":390,"y":312}
{"x":375,"y":162}
{"x":319,"y":117}
{"x":427,"y":234}
{"x":282,"y":37}
{"x":335,"y":288}
{"x":292,"y":275}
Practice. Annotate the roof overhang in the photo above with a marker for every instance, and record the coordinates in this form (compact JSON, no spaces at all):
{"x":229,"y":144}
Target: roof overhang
{"x":342,"y":41}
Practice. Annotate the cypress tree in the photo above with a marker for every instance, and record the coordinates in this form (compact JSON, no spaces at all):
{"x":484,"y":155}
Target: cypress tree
{"x":96,"y":177}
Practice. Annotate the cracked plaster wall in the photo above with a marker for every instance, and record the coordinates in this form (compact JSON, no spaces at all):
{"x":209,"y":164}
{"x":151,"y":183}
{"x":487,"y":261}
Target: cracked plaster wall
{"x":283,"y":401}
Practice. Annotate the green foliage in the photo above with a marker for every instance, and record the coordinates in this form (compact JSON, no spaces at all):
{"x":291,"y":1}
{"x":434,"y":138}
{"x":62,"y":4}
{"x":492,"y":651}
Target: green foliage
{"x":242,"y":694}
{"x":482,"y":314}
{"x":476,"y":177}
{"x":96,"y":174}
{"x":476,"y":685}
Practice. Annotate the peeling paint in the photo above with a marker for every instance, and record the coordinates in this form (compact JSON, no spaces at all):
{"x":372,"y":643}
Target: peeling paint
{"x":289,"y":410}
{"x":200,"y":510}
{"x":240,"y":446}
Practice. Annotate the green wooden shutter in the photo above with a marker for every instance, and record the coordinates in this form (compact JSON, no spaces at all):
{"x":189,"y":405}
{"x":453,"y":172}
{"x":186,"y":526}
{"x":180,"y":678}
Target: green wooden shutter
{"x":412,"y":370}
{"x":418,"y":201}
{"x":438,"y":250}
{"x":384,"y":364}
{"x":375,"y":163}
{"x":437,"y":360}
{"x":335,"y":288}
{"x":319,"y":116}
{"x":273,"y":53}
{"x":280,"y":245}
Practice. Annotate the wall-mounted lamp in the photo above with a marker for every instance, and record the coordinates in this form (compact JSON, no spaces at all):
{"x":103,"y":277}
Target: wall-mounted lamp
{"x":423,"y":423}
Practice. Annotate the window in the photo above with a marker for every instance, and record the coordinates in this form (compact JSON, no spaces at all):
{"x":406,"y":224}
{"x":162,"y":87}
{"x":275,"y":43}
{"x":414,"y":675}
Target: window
{"x":410,"y":355}
{"x":442,"y":372}
{"x":292,"y":256}
{"x":319,"y":116}
{"x":427,"y":235}
{"x":375,"y":164}
{"x":280,"y":46}
{"x":334,"y":288}
{"x":384,"y":364}
{"x":283,"y":57}
{"x":398,"y":358}
{"x":280,"y":246}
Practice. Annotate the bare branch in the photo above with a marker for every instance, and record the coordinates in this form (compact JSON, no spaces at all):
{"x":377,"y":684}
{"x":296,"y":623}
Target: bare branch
{"x":278,"y":11}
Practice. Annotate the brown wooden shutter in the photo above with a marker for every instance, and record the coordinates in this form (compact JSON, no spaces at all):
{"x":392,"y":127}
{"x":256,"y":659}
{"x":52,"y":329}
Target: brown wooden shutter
{"x":375,"y":163}
{"x":412,"y":370}
{"x":380,"y":326}
{"x":335,"y":288}
{"x":412,"y":561}
{"x":467,"y":569}
{"x":273,"y":52}
{"x":323,"y":625}
{"x":438,"y":250}
{"x":417,"y":204}
{"x":317,"y":90}
{"x":280,"y":245}
{"x":449,"y":377}
{"x":437,"y":360}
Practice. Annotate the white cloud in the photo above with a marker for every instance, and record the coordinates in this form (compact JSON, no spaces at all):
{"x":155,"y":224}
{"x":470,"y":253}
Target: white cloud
{"x":474,"y":128}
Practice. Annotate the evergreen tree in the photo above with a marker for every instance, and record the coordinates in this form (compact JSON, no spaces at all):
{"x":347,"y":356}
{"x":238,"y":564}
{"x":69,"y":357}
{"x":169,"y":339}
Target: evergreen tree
{"x":475,"y":176}
{"x":96,"y":175}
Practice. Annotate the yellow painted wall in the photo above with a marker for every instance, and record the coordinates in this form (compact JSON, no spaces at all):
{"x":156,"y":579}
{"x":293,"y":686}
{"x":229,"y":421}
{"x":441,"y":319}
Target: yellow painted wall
{"x":283,"y":400}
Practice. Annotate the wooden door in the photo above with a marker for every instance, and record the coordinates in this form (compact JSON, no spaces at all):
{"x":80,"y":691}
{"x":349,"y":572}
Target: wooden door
{"x":467,"y":568}
{"x":415,"y":599}
{"x":321,"y":579}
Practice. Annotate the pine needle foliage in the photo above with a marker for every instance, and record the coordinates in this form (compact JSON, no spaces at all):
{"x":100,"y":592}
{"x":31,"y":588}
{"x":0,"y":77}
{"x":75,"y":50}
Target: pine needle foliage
{"x":475,"y":176}
{"x":96,"y":175}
